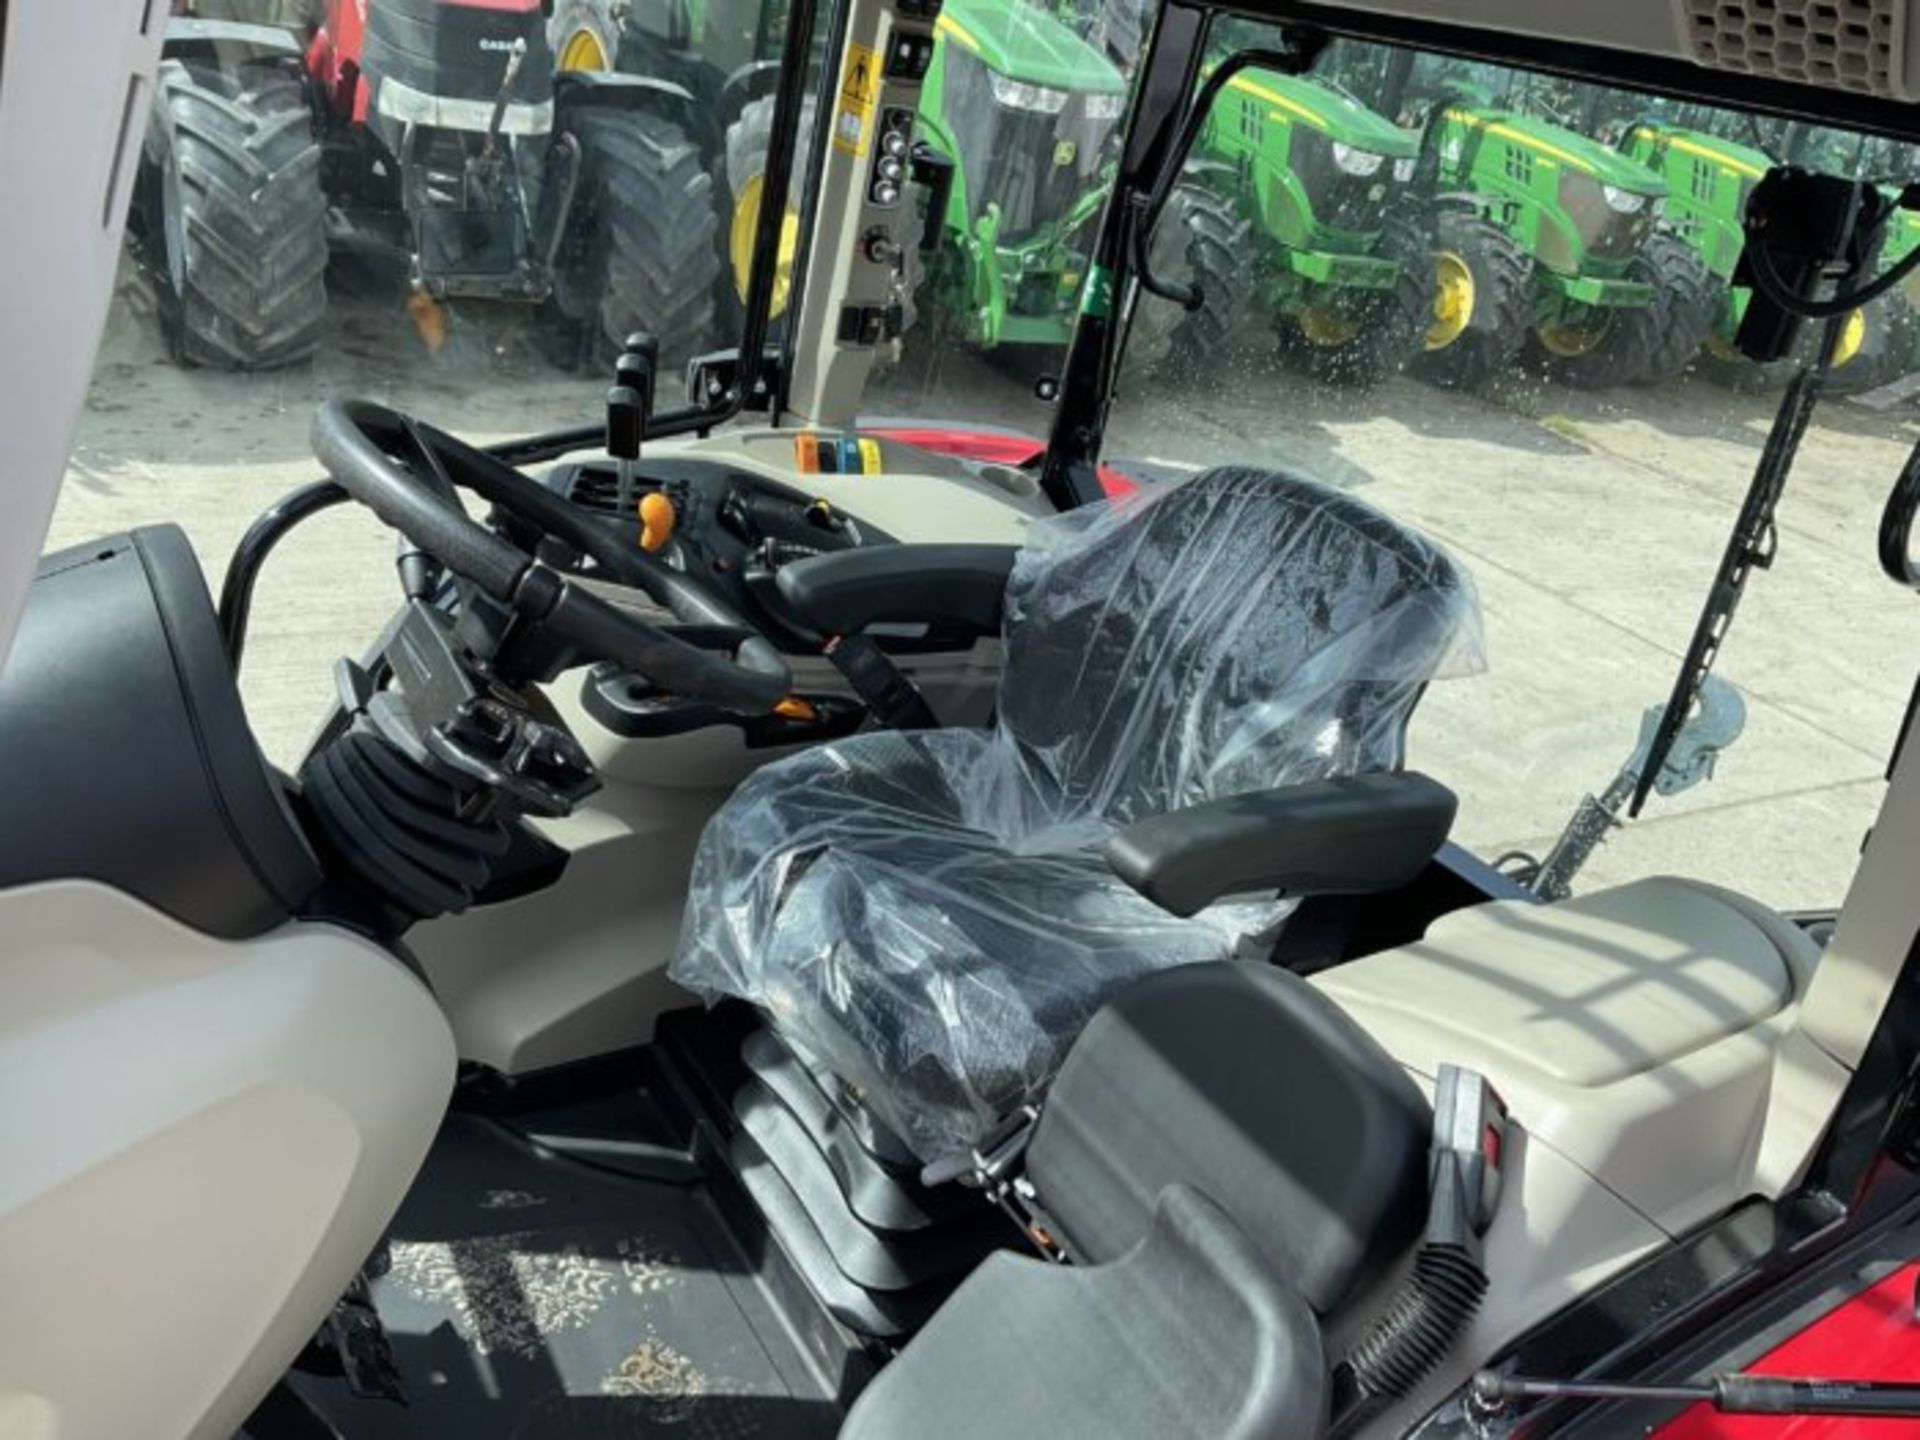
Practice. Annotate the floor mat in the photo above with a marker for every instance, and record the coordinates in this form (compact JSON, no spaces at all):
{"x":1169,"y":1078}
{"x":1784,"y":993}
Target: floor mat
{"x":532,"y":1295}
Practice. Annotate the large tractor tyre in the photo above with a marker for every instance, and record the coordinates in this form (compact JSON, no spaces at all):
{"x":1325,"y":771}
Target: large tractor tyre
{"x":233,"y":222}
{"x":585,"y":34}
{"x":749,"y":138}
{"x":1877,"y":344}
{"x":1376,"y":339}
{"x":647,"y":257}
{"x":1726,"y":367}
{"x":1482,"y":304}
{"x":1200,"y":240}
{"x":1647,"y":344}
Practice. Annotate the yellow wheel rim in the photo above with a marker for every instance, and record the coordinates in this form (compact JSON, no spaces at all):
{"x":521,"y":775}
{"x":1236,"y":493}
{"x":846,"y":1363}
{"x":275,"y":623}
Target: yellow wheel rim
{"x":746,"y":219}
{"x":1853,"y":334}
{"x":1452,"y":300}
{"x":583,"y":51}
{"x":1325,"y":326}
{"x":1571,"y":341}
{"x":1723,"y":349}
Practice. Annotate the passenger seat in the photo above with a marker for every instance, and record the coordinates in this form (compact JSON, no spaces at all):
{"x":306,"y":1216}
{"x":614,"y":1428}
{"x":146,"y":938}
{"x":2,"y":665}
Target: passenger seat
{"x":1229,"y":1160}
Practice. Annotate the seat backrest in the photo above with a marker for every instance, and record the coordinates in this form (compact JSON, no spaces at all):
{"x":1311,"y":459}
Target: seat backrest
{"x":1240,"y":630}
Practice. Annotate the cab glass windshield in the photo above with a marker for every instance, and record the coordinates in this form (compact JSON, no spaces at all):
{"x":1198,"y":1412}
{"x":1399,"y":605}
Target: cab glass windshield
{"x":1502,"y":307}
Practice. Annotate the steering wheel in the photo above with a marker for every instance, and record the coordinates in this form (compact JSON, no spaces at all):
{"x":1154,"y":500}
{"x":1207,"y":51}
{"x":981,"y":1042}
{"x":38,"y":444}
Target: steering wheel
{"x":408,"y":473}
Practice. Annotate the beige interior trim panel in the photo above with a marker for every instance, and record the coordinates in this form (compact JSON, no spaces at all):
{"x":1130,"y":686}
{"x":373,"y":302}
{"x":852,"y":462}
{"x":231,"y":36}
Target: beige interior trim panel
{"x":1634,"y":1034}
{"x":204,"y":1141}
{"x":1632,"y":1029}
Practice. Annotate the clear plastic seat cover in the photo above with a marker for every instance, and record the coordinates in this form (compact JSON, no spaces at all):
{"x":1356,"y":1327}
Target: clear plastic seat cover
{"x":929,"y":916}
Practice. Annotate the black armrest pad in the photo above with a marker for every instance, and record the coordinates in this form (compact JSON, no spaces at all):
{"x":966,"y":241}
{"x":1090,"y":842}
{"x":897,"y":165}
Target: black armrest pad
{"x":1349,"y":836}
{"x":952,"y":585}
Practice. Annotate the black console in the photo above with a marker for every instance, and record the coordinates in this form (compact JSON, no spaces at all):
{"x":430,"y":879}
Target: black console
{"x":125,"y":755}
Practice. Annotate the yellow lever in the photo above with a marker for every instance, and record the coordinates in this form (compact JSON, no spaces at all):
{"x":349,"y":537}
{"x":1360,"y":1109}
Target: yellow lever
{"x":656,"y":521}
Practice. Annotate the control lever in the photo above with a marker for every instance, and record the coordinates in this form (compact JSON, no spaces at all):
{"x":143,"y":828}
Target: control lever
{"x":625,"y":424}
{"x":928,"y":167}
{"x":638,"y":368}
{"x":630,"y":403}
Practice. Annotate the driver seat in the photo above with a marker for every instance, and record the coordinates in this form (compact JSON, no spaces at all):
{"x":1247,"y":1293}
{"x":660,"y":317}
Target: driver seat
{"x":928,"y":915}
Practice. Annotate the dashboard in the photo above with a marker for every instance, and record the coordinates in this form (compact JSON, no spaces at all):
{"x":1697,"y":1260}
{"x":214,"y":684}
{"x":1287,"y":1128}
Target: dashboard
{"x":733,"y":509}
{"x":743,"y":505}
{"x":725,"y":526}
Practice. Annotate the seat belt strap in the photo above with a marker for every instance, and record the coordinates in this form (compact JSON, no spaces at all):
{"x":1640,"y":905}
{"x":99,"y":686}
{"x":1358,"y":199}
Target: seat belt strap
{"x":879,"y":684}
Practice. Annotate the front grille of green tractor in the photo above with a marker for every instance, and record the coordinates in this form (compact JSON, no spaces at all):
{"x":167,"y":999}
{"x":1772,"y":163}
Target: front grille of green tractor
{"x":1606,"y":234}
{"x":1031,"y":163}
{"x":1339,"y":200}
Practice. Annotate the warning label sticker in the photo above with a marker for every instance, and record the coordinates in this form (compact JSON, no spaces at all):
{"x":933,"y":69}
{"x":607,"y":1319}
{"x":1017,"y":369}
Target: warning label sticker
{"x":859,"y":93}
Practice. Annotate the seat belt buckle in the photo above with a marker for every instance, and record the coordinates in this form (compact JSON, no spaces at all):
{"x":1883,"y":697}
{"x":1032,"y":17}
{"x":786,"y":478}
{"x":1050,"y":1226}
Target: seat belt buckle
{"x":998,"y":1171}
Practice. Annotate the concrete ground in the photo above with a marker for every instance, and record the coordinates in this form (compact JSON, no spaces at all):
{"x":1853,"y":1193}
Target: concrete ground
{"x":1591,"y":524}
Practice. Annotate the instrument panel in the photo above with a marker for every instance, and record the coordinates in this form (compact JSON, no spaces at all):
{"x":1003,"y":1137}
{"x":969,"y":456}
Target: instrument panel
{"x":732,"y":509}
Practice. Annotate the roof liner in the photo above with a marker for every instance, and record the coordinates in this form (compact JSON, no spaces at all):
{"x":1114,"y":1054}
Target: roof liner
{"x":1689,"y":49}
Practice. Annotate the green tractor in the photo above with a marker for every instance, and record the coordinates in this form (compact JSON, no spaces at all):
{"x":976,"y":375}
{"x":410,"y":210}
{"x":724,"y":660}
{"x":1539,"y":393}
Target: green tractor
{"x":1024,"y":109}
{"x":1020,"y":104}
{"x":1709,"y":177}
{"x":1341,"y":262}
{"x":1549,"y":246}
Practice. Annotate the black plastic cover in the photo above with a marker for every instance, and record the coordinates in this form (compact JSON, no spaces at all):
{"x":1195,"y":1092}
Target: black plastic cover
{"x":1347,"y":835}
{"x":953,"y":586}
{"x":125,"y":755}
{"x":1188,"y":1333}
{"x":1246,"y":1083}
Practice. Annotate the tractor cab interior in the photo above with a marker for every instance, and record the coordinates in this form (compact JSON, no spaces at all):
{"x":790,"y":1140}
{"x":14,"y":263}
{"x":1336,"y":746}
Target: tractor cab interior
{"x":802,"y":922}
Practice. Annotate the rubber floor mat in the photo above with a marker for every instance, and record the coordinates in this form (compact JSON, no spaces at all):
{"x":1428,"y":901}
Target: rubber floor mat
{"x":531,"y":1295}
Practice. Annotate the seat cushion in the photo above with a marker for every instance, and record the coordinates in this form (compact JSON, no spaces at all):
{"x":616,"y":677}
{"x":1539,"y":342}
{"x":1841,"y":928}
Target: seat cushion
{"x":1188,"y":1333}
{"x":939,"y":972}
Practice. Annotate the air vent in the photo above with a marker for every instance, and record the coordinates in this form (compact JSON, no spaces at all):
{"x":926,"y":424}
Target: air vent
{"x":1841,"y":44}
{"x":596,"y":489}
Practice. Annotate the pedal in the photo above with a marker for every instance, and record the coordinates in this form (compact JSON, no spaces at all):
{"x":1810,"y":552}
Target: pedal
{"x":353,"y":1344}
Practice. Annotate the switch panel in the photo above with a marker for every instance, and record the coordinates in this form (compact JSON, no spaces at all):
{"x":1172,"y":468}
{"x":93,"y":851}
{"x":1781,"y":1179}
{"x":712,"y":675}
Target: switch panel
{"x":854,"y":296}
{"x":909,"y":56}
{"x":889,"y":178}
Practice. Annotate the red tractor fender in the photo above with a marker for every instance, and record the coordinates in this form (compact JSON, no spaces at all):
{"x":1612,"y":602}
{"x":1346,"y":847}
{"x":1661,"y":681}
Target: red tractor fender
{"x":333,"y":58}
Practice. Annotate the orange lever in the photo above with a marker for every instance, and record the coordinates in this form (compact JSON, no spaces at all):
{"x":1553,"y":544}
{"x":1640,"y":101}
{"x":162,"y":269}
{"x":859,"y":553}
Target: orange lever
{"x":656,"y":521}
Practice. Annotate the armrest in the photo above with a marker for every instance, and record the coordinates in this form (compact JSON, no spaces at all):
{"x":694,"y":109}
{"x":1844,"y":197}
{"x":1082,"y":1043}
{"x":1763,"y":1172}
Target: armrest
{"x":959,"y":586}
{"x":1350,"y":836}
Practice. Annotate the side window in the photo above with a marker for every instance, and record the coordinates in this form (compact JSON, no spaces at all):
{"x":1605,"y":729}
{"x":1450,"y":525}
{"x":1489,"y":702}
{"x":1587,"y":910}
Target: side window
{"x":1561,"y":406}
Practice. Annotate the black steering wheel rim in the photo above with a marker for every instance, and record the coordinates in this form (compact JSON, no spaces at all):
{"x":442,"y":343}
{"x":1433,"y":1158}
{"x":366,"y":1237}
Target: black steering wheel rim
{"x":409,"y":474}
